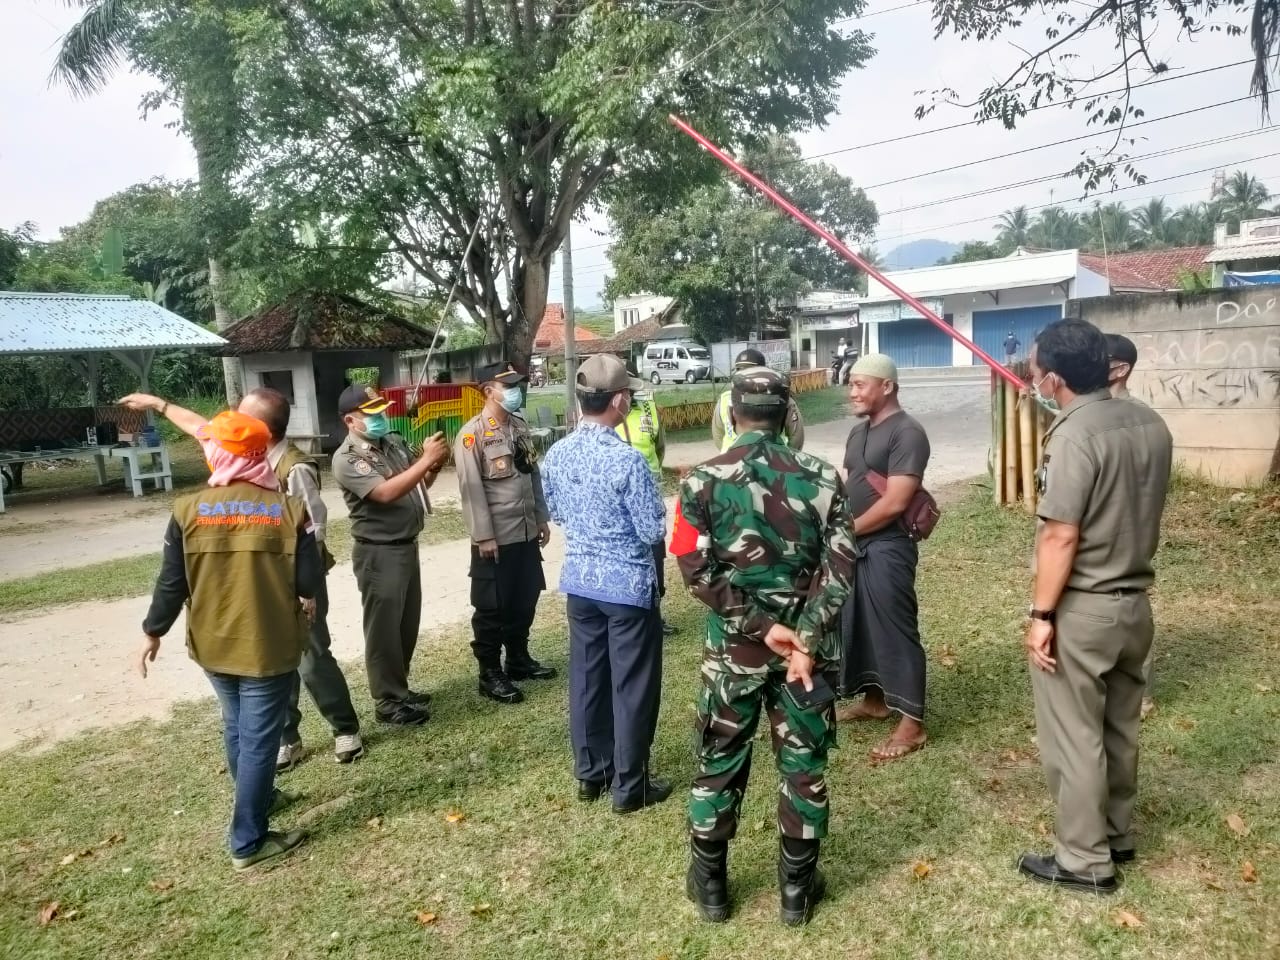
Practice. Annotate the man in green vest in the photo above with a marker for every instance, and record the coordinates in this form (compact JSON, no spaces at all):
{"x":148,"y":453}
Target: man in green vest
{"x":642,"y":429}
{"x":241,"y":558}
{"x":723,"y":433}
{"x":299,"y":477}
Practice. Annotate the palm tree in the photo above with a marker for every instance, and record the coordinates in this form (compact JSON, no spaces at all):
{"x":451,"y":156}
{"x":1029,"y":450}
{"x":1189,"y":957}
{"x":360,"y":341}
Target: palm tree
{"x":1110,"y":228}
{"x":1056,"y":229}
{"x":1014,"y":229}
{"x":1243,"y":198}
{"x":1154,"y":223}
{"x":200,"y":76}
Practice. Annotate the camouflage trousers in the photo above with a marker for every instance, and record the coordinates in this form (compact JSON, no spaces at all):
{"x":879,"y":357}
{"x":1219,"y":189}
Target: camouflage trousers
{"x":729,"y":707}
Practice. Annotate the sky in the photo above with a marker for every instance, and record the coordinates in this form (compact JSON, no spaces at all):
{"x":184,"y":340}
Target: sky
{"x":60,"y":154}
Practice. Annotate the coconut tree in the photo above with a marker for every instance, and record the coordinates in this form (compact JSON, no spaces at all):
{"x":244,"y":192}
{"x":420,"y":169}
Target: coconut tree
{"x":1154,"y":223}
{"x":1243,"y":198}
{"x":1014,"y":228}
{"x":1110,"y":228}
{"x":1056,"y":229}
{"x":188,"y":47}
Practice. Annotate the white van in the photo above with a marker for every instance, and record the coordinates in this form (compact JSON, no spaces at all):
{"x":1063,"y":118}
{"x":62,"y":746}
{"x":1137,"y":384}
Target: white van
{"x":675,"y":361}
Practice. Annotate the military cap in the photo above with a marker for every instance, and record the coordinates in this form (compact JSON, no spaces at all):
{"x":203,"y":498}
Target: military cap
{"x":503,"y":373}
{"x":761,"y":387}
{"x":363,"y":398}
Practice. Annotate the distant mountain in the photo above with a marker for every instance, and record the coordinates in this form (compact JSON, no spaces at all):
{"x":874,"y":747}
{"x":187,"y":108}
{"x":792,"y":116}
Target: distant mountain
{"x":919,"y":253}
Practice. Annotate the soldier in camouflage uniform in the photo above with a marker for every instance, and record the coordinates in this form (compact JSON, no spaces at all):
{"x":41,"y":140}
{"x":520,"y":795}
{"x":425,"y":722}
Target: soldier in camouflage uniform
{"x":763,"y":539}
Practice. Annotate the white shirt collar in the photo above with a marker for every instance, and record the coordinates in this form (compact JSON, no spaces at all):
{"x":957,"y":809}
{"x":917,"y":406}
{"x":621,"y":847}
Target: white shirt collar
{"x":277,"y":452}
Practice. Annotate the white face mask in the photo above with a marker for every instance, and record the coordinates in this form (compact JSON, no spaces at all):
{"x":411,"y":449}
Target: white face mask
{"x":1048,"y":403}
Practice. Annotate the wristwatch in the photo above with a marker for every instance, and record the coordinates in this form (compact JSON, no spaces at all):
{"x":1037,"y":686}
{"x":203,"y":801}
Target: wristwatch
{"x":1048,"y":616}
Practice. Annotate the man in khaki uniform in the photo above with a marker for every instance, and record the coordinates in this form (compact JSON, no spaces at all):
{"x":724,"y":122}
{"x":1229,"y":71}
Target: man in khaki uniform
{"x":1103,"y":480}
{"x":507,"y":519}
{"x":1122,"y":354}
{"x":722,"y":433}
{"x":385,"y":488}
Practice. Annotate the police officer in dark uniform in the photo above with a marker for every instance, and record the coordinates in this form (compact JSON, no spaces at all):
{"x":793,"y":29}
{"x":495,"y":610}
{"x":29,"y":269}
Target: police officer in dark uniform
{"x":507,"y":519}
{"x":385,"y":488}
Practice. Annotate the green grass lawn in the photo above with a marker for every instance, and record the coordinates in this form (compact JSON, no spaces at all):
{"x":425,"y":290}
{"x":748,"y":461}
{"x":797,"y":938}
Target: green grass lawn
{"x":470,"y":822}
{"x":135,"y":576}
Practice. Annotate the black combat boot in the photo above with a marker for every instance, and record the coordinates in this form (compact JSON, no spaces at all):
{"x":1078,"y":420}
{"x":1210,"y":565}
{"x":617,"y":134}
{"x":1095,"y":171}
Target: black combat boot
{"x":496,"y":685}
{"x":800,"y":882}
{"x":521,"y":666}
{"x":707,"y":882}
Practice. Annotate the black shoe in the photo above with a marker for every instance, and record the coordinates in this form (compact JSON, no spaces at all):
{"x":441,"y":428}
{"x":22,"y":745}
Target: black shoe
{"x":496,"y":685}
{"x":669,"y":630}
{"x":1047,"y":870}
{"x":707,"y":882}
{"x":800,"y":883}
{"x":591,"y":790}
{"x":419,"y":699}
{"x":527,"y":668}
{"x":402,"y":714}
{"x":653,"y":791}
{"x":1123,"y":856}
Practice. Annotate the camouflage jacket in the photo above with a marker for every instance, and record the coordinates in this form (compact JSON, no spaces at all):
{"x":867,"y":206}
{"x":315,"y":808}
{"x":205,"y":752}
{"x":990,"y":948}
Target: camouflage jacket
{"x":773,"y":545}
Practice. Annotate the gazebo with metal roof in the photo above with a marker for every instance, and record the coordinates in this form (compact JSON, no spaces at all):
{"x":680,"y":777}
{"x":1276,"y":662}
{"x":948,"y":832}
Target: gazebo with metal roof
{"x":85,"y":327}
{"x":307,"y":347}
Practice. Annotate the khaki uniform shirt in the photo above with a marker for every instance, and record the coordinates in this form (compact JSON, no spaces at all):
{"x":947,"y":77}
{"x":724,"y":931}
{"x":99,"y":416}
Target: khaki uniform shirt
{"x":360,"y":465}
{"x":1105,"y":468}
{"x":500,"y":501}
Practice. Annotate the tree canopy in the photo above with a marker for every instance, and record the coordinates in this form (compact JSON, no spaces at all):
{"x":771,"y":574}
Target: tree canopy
{"x":421,"y":129}
{"x":734,"y":261}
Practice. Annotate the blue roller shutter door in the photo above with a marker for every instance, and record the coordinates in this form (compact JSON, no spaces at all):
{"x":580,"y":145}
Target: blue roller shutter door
{"x":916,"y":343}
{"x":990,"y":327}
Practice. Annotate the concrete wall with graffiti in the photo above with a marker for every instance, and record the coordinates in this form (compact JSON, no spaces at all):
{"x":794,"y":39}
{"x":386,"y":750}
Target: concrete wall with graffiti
{"x":1209,"y":363}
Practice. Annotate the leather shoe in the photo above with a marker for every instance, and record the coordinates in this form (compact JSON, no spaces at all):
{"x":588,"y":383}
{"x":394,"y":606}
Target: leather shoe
{"x":419,"y":699}
{"x":496,"y":685}
{"x":591,"y":790}
{"x":403,"y":714}
{"x":1123,"y":856}
{"x":1048,"y":870}
{"x":653,"y":791}
{"x":528,"y":668}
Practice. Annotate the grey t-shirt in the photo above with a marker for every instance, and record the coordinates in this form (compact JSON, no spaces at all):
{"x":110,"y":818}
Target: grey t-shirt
{"x":895,"y":447}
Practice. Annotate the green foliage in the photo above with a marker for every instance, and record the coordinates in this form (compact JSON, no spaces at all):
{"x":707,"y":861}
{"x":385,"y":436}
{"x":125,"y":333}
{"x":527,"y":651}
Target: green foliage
{"x":414,"y":126}
{"x":730,"y":257}
{"x":1040,"y":73}
{"x":976,"y":250}
{"x":13,"y":251}
{"x":111,"y":259}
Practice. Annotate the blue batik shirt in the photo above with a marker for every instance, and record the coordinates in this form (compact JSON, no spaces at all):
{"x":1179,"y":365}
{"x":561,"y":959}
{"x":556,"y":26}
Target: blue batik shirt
{"x":600,"y":491}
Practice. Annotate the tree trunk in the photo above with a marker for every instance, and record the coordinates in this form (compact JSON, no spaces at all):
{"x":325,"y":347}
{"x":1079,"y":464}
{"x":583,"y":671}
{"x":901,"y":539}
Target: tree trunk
{"x":222,"y":318}
{"x":531,"y":287}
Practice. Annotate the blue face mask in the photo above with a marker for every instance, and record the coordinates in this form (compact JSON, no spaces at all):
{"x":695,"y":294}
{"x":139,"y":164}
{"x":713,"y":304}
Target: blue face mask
{"x":376,"y":425}
{"x":1048,"y":403}
{"x":512,"y":399}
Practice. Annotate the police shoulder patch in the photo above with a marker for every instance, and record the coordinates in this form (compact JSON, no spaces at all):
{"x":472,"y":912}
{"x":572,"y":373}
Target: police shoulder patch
{"x":363,"y":468}
{"x":468,"y":440}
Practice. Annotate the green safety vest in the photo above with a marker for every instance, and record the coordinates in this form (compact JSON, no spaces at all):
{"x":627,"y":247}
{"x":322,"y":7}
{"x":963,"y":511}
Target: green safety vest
{"x":731,"y":435}
{"x":640,"y":430}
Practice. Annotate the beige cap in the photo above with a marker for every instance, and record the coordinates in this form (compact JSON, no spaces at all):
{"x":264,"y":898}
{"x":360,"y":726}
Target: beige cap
{"x":876,"y":365}
{"x":605,"y":373}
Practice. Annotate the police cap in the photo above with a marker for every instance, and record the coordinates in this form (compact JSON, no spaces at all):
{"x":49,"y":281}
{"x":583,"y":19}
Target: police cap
{"x":761,"y":387}
{"x":503,"y":373}
{"x":750,"y":357}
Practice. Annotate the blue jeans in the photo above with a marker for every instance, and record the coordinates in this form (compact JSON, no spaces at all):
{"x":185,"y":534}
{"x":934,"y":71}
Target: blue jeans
{"x":253,"y":714}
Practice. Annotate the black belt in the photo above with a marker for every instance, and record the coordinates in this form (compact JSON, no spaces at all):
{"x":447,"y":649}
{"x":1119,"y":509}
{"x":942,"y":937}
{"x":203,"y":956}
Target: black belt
{"x":385,"y":543}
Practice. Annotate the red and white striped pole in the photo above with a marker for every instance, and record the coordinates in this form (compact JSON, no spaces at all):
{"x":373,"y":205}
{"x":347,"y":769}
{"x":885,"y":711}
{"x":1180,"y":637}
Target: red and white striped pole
{"x":834,"y":243}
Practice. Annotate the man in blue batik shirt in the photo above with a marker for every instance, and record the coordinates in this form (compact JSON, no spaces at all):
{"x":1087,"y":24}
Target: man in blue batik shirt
{"x":601,"y":492}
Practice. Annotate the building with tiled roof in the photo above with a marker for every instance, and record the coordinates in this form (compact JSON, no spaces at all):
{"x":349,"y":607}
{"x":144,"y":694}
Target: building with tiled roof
{"x":1147,"y":270}
{"x":550,"y":337}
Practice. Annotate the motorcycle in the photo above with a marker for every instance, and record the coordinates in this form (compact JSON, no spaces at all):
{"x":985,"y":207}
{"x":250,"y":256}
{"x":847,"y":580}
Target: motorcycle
{"x":837,"y":363}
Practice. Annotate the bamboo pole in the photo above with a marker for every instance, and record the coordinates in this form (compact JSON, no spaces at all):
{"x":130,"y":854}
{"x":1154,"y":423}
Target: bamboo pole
{"x":1010,"y":444}
{"x":1026,"y":431}
{"x":997,"y":438}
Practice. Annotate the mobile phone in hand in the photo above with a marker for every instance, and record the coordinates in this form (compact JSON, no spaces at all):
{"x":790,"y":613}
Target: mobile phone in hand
{"x":816,"y":699}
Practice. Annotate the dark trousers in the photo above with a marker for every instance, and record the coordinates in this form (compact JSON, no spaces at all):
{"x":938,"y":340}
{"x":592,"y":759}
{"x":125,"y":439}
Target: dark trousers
{"x":323,"y":678}
{"x":505,"y":595}
{"x":615,"y":682}
{"x":252,"y":714}
{"x":390,"y":582}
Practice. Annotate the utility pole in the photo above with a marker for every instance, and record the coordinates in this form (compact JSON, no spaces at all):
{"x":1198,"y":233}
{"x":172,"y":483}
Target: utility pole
{"x":570,"y":337}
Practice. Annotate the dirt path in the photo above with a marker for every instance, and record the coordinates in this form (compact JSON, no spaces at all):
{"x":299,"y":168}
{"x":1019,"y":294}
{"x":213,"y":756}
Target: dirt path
{"x":67,"y":670}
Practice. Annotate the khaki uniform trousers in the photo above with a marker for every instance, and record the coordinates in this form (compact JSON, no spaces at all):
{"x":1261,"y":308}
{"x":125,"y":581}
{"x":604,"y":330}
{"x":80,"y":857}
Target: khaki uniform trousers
{"x":1087,"y":721}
